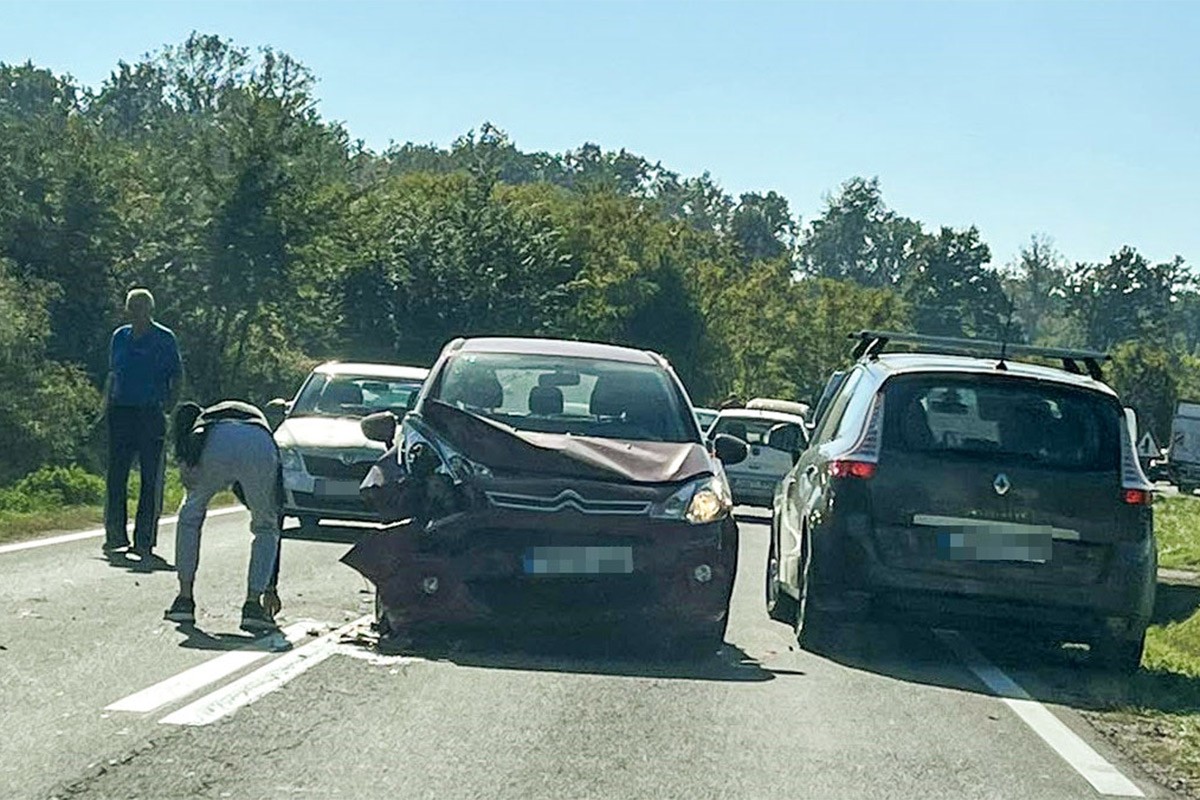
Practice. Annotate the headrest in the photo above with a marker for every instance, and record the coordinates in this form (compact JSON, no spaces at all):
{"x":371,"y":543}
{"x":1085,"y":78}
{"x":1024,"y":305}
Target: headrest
{"x":478,"y":388}
{"x":545,"y":400}
{"x":341,"y":393}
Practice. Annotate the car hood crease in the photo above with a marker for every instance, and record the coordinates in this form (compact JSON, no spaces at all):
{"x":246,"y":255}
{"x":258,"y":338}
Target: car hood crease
{"x":503,"y":448}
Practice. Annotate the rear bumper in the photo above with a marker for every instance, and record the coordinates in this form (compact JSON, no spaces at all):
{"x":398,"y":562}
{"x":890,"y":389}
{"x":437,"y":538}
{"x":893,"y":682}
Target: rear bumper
{"x":1026,"y":595}
{"x":480,"y":576}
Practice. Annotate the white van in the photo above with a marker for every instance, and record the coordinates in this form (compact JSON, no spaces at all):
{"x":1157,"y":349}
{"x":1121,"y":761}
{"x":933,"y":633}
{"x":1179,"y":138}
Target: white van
{"x":1183,"y":453}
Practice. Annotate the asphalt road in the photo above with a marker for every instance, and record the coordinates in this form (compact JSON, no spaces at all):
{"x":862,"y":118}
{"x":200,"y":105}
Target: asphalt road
{"x":898,"y":713}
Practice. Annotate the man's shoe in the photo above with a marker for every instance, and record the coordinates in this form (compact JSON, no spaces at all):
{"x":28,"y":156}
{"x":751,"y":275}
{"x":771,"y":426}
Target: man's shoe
{"x":109,"y":548}
{"x":143,"y":552}
{"x":255,"y":619}
{"x":182,"y":610}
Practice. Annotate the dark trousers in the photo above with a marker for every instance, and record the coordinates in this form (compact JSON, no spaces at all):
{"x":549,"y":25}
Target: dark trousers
{"x":135,"y":433}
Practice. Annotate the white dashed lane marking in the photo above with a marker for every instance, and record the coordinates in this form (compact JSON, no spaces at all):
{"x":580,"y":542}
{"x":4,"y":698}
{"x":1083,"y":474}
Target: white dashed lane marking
{"x":262,"y":681}
{"x":1103,"y":776}
{"x":192,"y":680}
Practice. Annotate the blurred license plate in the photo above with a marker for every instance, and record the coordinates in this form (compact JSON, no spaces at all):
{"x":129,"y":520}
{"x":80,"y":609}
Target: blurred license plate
{"x":999,"y":545}
{"x":338,"y":488}
{"x":578,"y":561}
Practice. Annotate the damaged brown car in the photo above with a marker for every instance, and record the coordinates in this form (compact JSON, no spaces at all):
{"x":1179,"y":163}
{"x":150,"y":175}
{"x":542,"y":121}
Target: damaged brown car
{"x":551,"y":484}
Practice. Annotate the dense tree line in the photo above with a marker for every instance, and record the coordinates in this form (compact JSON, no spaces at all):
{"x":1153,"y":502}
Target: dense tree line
{"x":273,"y":240}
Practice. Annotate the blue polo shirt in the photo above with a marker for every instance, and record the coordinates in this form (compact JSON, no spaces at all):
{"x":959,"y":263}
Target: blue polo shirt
{"x":143,"y":366}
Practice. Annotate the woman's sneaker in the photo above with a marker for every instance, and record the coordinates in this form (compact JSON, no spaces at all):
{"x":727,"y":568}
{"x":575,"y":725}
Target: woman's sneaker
{"x":182,"y":610}
{"x":255,"y":619}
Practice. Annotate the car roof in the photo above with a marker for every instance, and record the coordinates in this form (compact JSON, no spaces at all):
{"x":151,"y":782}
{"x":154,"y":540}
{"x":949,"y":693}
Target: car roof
{"x":761,"y":413}
{"x":558,"y":347}
{"x":889,"y":364}
{"x":373,"y":370}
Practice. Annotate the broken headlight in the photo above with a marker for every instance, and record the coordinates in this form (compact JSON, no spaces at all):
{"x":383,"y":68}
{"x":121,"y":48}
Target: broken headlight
{"x":700,"y":501}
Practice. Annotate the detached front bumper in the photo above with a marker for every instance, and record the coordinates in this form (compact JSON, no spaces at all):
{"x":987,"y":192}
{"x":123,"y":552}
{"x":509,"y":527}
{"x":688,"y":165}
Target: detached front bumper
{"x":475,"y":568}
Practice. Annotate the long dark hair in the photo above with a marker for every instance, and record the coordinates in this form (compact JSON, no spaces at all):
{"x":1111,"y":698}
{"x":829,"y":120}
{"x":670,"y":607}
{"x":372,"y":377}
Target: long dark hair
{"x":181,"y":430}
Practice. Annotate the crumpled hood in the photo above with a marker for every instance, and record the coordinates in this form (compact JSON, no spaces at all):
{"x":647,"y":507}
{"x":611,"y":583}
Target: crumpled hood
{"x":333,"y":432}
{"x":503,"y":448}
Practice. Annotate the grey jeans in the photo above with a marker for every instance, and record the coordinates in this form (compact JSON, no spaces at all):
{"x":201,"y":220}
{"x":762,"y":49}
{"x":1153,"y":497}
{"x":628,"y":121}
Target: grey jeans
{"x":234,"y":452}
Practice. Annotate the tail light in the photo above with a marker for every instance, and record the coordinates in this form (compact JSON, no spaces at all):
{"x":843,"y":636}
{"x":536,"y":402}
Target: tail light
{"x":1137,"y":497}
{"x":1136,"y":489}
{"x":843,"y":468}
{"x":862,"y":461}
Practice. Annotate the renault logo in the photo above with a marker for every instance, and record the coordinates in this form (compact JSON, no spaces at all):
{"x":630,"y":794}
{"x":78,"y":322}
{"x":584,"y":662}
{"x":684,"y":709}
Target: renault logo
{"x":1001,"y":484}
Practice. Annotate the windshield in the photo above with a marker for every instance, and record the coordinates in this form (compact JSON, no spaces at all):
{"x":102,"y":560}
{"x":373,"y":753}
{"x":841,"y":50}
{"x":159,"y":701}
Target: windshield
{"x":327,"y":395}
{"x":988,"y":418}
{"x":559,"y":394}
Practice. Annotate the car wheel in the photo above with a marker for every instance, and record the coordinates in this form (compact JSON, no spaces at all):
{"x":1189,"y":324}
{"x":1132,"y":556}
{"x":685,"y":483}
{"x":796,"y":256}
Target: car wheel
{"x":814,"y":625}
{"x":781,"y":606}
{"x":1118,"y":654}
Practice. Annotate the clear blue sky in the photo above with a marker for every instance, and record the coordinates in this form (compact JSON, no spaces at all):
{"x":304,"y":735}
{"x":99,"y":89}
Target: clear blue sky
{"x":1080,"y":120}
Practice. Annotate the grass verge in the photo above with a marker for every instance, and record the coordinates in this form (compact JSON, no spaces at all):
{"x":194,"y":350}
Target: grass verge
{"x":69,"y":499}
{"x":1155,"y":716}
{"x":1177,"y":526}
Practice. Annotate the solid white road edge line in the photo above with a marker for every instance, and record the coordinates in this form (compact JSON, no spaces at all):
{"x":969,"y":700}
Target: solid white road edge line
{"x":1103,"y":776}
{"x":191,"y":680}
{"x":97,"y":532}
{"x":262,"y":681}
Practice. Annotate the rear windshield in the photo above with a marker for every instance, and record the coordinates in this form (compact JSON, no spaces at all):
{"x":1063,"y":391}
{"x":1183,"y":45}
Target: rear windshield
{"x":751,"y":430}
{"x":1004,"y":419}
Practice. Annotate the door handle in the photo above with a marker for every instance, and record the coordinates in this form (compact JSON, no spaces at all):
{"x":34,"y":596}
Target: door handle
{"x":810,"y":470}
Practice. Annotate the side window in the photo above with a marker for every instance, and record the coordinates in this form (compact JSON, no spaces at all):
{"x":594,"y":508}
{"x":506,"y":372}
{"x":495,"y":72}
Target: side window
{"x":856,"y":411}
{"x":837,"y":409}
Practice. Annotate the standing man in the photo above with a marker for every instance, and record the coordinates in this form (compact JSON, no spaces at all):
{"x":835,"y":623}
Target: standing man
{"x":229,"y":444}
{"x":144,"y":377}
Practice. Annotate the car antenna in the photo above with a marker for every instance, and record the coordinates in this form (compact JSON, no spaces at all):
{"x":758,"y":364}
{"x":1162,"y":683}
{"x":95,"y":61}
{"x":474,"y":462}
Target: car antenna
{"x":1012,"y":307}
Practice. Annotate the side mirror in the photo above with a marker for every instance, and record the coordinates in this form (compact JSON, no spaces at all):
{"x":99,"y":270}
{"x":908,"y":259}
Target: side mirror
{"x":279,"y":405}
{"x":730,"y":449}
{"x":276,"y":411}
{"x":380,"y":427}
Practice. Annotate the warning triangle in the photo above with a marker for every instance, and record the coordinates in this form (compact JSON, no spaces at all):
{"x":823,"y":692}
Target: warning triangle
{"x":1148,"y":446}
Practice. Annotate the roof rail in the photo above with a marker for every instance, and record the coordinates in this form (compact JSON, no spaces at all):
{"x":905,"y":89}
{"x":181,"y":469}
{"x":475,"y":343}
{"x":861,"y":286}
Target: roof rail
{"x":871,"y":343}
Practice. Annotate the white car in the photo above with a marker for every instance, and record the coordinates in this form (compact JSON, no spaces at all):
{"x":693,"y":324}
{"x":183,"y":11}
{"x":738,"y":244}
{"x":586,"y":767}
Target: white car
{"x":324,"y":452}
{"x":775,"y":439}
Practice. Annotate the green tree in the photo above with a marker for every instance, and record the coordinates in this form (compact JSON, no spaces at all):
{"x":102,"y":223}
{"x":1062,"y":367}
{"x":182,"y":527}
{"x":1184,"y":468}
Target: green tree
{"x":859,"y":238}
{"x":953,"y":291}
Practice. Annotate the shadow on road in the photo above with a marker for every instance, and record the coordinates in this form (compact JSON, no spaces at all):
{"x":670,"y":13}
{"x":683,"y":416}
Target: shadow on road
{"x":594,"y":652}
{"x":197,"y":639}
{"x":1049,"y":672}
{"x":135,"y":564}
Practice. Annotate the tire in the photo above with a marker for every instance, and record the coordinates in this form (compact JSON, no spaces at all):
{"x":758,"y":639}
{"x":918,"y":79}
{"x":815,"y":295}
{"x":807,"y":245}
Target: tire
{"x":814,"y":626}
{"x":1187,"y":489}
{"x":781,"y":606}
{"x":1121,"y":655}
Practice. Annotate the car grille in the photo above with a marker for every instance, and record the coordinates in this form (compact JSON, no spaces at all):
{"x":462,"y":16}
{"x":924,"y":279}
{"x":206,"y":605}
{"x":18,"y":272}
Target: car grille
{"x":567,"y":499}
{"x":327,"y":503}
{"x":335,"y":469}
